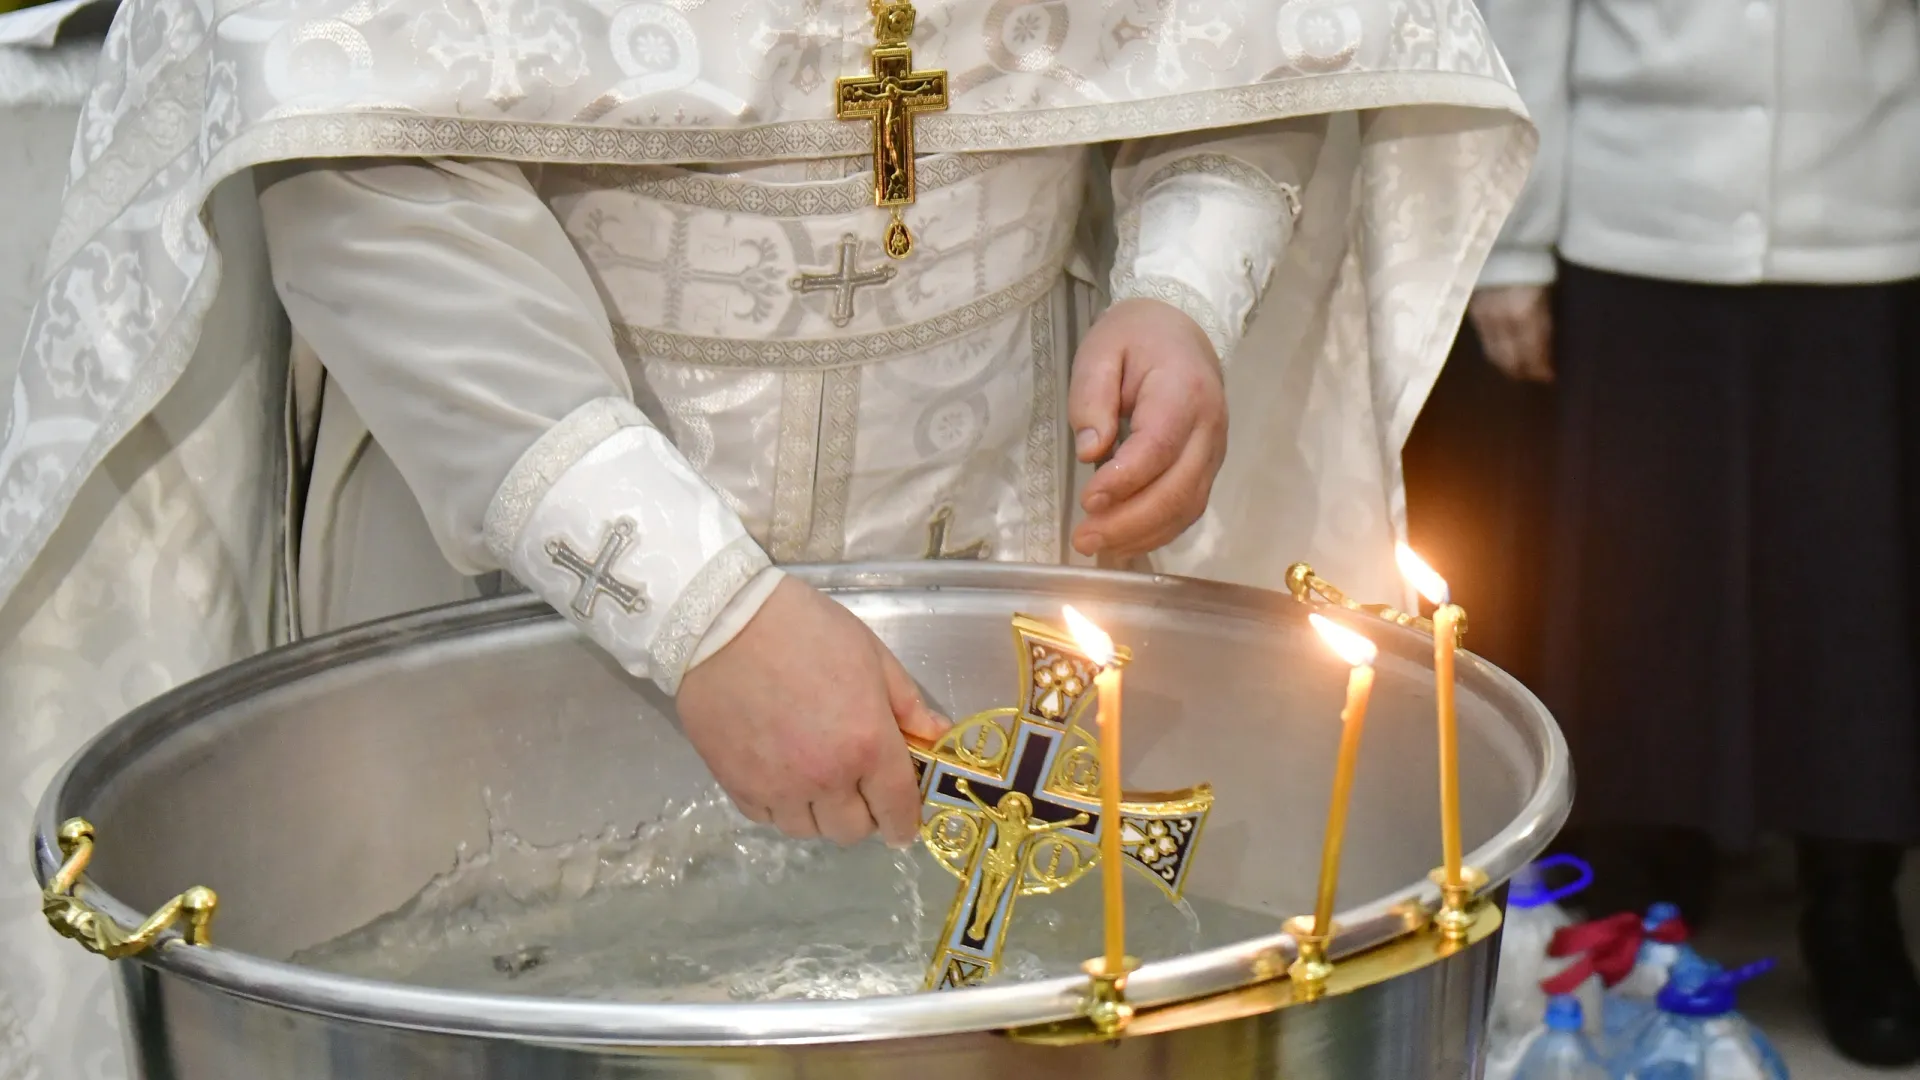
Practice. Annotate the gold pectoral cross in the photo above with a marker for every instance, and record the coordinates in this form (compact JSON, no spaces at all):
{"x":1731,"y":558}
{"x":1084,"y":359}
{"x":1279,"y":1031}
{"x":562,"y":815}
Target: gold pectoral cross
{"x":889,"y":99}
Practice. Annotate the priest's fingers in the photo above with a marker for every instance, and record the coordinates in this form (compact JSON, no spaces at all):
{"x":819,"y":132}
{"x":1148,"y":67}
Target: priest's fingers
{"x":910,"y":710}
{"x":753,"y":812}
{"x":893,"y":798}
{"x":1093,"y":398}
{"x":796,"y":820}
{"x":1176,"y":403}
{"x":843,"y":818}
{"x":1161,"y":512}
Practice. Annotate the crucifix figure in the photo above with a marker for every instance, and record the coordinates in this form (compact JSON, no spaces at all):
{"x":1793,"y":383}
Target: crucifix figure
{"x":1005,"y":857}
{"x":842,"y":283}
{"x":597,"y":578}
{"x":889,"y":99}
{"x":1010,"y":805}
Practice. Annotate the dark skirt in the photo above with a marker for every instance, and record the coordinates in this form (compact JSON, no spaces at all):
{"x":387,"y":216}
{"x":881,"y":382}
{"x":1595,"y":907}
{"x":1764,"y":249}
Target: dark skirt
{"x":1730,"y":576}
{"x":1478,"y":469}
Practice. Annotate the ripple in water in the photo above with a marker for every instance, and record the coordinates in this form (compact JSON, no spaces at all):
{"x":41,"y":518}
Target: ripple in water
{"x":702,"y":905}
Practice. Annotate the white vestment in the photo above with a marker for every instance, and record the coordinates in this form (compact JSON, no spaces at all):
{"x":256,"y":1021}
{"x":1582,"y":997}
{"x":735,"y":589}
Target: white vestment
{"x":587,"y":278}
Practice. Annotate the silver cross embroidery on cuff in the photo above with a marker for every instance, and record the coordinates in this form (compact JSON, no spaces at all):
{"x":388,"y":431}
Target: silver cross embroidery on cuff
{"x":597,"y":578}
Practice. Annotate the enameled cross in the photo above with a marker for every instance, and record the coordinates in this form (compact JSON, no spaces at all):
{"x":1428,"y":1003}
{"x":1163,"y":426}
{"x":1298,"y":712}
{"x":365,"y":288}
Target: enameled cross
{"x":597,"y":578}
{"x":843,"y":281}
{"x":1010,"y":804}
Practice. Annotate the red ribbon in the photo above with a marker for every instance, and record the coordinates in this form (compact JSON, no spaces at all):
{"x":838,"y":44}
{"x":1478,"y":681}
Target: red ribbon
{"x":1607,"y":948}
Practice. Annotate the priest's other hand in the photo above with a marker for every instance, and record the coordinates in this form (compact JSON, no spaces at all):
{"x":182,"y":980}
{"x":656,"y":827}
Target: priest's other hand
{"x":1148,"y":362}
{"x":1515,"y":324}
{"x":802,"y":718}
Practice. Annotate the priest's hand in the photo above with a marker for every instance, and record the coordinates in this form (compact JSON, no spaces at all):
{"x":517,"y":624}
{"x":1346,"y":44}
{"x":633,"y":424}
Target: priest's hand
{"x":1515,"y":324}
{"x":1148,"y":362}
{"x":801,"y":717}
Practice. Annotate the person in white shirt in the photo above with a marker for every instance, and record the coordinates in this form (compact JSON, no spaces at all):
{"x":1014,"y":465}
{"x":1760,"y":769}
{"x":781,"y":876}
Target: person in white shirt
{"x":1715,"y":265}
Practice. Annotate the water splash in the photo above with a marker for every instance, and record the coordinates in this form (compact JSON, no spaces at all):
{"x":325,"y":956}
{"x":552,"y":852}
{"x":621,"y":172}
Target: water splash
{"x":701,"y":905}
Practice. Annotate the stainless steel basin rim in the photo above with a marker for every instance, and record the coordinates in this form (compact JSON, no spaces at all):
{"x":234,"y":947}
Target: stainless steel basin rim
{"x":987,"y":1008}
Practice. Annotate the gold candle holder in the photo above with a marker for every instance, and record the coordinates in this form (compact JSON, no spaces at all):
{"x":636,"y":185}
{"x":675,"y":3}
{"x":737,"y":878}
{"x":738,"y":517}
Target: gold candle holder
{"x":1106,"y":1007}
{"x":1312,"y":965}
{"x":1310,"y":968}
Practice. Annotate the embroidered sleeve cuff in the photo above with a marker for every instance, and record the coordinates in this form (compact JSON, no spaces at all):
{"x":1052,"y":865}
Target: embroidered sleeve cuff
{"x":736,"y":615}
{"x":1205,"y":236}
{"x":606,"y":521}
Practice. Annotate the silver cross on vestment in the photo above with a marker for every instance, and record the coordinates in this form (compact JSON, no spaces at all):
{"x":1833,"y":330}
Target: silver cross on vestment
{"x":843,"y":281}
{"x":596,"y":576}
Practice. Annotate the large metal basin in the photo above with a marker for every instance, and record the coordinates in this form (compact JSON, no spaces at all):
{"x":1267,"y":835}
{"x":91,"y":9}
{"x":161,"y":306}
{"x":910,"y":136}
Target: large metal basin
{"x":321,"y":785}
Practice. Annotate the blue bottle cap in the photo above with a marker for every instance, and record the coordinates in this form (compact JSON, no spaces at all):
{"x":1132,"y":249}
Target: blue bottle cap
{"x":1563,"y":1014}
{"x":1660,"y":914}
{"x":1701,"y":989}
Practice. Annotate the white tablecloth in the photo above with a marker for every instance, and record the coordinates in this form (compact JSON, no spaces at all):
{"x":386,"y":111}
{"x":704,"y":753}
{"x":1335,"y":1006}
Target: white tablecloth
{"x":40,"y":95}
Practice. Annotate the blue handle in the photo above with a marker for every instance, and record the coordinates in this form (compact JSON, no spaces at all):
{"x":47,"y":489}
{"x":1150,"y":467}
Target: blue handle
{"x":1584,"y":878}
{"x":1749,"y":973}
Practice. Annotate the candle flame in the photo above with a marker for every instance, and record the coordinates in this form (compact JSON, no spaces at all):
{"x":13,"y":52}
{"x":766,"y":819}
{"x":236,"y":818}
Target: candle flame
{"x":1354,"y":648}
{"x":1092,"y":640}
{"x":1421,"y":576}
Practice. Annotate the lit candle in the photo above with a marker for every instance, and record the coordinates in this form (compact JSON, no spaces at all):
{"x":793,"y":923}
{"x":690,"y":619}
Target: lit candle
{"x":1358,"y":651}
{"x":1446,"y":636}
{"x":1099,"y":648}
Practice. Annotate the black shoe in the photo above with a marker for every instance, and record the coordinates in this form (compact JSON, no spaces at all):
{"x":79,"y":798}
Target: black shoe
{"x":1863,"y":976}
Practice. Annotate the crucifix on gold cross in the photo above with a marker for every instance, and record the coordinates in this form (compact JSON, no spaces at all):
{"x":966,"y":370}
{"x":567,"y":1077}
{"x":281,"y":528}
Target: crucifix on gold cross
{"x":1010,"y":805}
{"x":889,"y":99}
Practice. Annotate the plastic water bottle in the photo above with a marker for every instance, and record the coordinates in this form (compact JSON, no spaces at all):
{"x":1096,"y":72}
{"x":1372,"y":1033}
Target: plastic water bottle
{"x":1519,"y":1004}
{"x":1562,"y":1051}
{"x":1696,"y":1034}
{"x":1632,"y":999}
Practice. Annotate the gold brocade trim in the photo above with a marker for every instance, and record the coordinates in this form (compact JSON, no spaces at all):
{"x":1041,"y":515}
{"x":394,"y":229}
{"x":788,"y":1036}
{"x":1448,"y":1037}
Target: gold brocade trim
{"x":793,"y":465}
{"x":833,"y":473}
{"x":543,"y":463}
{"x":1129,"y":285}
{"x":854,"y":350}
{"x":698,"y":605}
{"x":1044,"y":439}
{"x":741,"y":195}
{"x":416,"y":135}
{"x":1226,"y":167}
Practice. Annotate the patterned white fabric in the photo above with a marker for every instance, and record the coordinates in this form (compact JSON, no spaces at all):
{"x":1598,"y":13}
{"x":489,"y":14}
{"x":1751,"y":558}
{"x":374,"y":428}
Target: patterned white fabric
{"x":579,"y":520}
{"x":152,"y":302}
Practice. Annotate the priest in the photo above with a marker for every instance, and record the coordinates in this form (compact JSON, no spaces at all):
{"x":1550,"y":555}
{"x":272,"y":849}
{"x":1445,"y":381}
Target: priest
{"x":630,"y":303}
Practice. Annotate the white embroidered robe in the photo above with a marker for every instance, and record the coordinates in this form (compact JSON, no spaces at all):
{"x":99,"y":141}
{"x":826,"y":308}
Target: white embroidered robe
{"x":151,"y":529}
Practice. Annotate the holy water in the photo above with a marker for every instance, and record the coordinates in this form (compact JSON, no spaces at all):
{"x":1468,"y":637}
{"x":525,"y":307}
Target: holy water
{"x":702,"y":905}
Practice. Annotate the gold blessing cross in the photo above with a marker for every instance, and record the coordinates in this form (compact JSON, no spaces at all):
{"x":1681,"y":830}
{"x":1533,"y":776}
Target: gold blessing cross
{"x":889,"y":99}
{"x":1010,"y":805}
